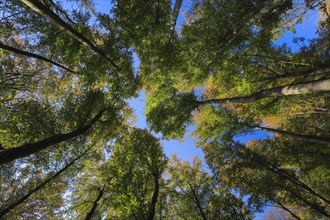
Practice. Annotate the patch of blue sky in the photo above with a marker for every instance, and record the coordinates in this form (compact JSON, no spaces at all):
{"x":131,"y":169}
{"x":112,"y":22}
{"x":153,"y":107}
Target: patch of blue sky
{"x":307,"y":30}
{"x":185,"y":150}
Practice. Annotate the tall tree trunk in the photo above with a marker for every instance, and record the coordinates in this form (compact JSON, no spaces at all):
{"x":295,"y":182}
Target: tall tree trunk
{"x":295,"y":89}
{"x":10,"y":207}
{"x":46,"y":12}
{"x":24,"y":53}
{"x":286,"y":209}
{"x":313,"y":206}
{"x":31,"y":148}
{"x":174,"y":17}
{"x":197,"y":202}
{"x":307,"y":138}
{"x":297,"y":182}
{"x":322,"y":71}
{"x":152,"y":207}
{"x":95,"y":204}
{"x":260,"y":160}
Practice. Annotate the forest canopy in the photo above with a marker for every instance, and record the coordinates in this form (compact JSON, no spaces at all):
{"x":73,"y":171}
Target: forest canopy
{"x":69,"y":147}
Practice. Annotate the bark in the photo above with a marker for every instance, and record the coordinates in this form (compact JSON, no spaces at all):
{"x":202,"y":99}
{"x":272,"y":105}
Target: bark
{"x":25,"y":150}
{"x":307,"y":138}
{"x":295,"y":89}
{"x":152,"y":208}
{"x":296,"y":181}
{"x":304,"y":74}
{"x":313,"y":206}
{"x":58,"y":9}
{"x":46,"y":12}
{"x":286,"y":209}
{"x":36,"y":56}
{"x":285,"y":175}
{"x":197,"y":202}
{"x":10,"y":207}
{"x":174,"y":17}
{"x":95,"y":204}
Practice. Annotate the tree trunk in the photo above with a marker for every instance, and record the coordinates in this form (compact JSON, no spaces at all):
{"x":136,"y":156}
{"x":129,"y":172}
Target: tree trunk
{"x":295,"y":89}
{"x":46,"y":12}
{"x":197,"y":202}
{"x":286,"y":209}
{"x":260,"y":161}
{"x":297,"y":74}
{"x":152,"y":208}
{"x":313,"y":206}
{"x":39,"y":187}
{"x":307,"y":138}
{"x":174,"y":17}
{"x":296,"y":181}
{"x":31,"y":148}
{"x":285,"y":175}
{"x":93,"y":209}
{"x":17,"y":51}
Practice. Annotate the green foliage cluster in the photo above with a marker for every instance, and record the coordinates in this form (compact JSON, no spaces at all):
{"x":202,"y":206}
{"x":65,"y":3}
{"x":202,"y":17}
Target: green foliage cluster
{"x":68,"y":145}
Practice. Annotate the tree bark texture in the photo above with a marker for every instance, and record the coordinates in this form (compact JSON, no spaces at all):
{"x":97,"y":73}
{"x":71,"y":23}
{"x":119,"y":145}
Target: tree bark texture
{"x":25,"y":150}
{"x":46,"y":12}
{"x":152,"y":208}
{"x":33,"y":55}
{"x":10,"y":207}
{"x":307,"y":138}
{"x":95,"y":204}
{"x":174,"y":17}
{"x":295,"y":89}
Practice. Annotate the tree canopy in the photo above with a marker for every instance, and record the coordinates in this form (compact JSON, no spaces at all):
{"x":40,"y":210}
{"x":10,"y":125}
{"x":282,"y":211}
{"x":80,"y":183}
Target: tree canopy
{"x":69,"y":147}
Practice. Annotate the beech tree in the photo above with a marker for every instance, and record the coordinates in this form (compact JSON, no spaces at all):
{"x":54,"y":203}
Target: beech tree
{"x":193,"y":194}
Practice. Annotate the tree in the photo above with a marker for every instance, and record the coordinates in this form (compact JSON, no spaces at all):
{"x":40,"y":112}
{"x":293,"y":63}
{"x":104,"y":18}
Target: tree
{"x":21,"y":200}
{"x":68,"y":72}
{"x":83,"y":125}
{"x":125,"y":185}
{"x":136,"y":168}
{"x":270,"y":182}
{"x":193,"y":194}
{"x":24,"y":53}
{"x":295,"y":89}
{"x":44,"y":11}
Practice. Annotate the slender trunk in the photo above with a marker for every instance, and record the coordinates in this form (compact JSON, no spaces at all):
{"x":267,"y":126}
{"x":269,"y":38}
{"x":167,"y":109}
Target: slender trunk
{"x":289,"y":211}
{"x":28,"y":54}
{"x":46,"y":12}
{"x":95,"y":204}
{"x":286,"y":209}
{"x":197,"y":202}
{"x":307,"y":138}
{"x":152,"y":208}
{"x":260,"y":161}
{"x":174,"y":17}
{"x":58,"y":9}
{"x":304,"y":74}
{"x":10,"y":207}
{"x":313,"y":206}
{"x":285,"y":175}
{"x":296,"y":181}
{"x":31,"y":148}
{"x":295,"y":89}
